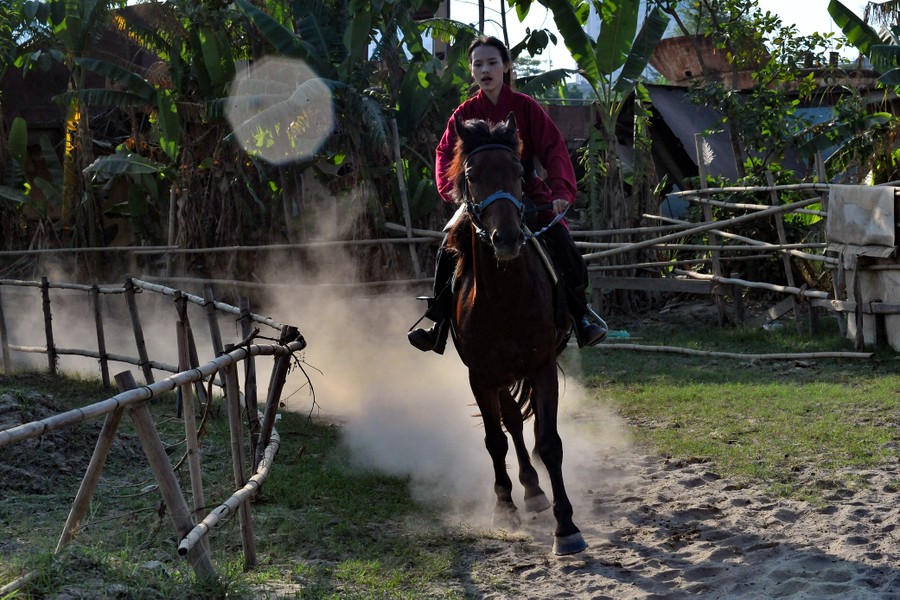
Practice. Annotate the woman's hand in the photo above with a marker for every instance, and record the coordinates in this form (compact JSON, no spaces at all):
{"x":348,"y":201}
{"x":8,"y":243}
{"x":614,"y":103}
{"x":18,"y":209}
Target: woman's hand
{"x":560,"y":205}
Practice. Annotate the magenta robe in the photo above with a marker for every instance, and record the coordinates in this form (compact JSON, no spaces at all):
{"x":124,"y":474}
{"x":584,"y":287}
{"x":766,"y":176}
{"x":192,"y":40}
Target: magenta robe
{"x":541,"y":140}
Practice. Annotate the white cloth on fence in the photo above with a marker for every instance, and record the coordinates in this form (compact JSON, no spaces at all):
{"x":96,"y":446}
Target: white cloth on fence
{"x":861,"y":215}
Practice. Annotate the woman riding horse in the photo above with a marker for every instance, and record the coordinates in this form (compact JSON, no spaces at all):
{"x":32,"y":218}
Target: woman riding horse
{"x":490,"y":64}
{"x":503,"y":321}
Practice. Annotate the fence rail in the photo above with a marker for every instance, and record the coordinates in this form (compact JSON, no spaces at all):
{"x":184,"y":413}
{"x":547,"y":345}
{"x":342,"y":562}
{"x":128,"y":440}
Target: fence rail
{"x":188,"y":377}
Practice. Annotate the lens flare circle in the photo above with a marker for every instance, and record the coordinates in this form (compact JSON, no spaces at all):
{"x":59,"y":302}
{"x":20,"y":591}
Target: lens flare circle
{"x":280,"y":110}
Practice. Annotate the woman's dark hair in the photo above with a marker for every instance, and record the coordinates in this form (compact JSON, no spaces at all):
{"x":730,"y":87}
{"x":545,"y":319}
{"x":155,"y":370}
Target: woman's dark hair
{"x":489,"y":40}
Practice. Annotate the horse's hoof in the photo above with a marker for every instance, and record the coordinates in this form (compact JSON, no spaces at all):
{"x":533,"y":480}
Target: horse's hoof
{"x":537,"y":503}
{"x":505,"y":518}
{"x":569,"y":544}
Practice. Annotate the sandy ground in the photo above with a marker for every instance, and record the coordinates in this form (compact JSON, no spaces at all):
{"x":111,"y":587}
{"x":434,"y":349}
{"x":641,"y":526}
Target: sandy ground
{"x":657,"y":529}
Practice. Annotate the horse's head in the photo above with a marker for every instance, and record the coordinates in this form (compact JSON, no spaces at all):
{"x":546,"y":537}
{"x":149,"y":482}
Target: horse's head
{"x":489,"y":181}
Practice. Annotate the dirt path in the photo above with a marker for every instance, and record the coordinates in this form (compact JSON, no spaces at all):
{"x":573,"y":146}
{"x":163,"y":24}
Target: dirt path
{"x":657,"y":529}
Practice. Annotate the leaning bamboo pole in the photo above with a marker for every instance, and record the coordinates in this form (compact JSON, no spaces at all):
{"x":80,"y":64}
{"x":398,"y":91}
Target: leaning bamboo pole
{"x":766,"y":245}
{"x":738,"y":355}
{"x":166,"y":479}
{"x":276,"y":383}
{"x":190,"y":419}
{"x":138,"y":331}
{"x":791,"y":187}
{"x":200,"y":301}
{"x":218,"y":515}
{"x":91,"y":478}
{"x":706,"y":226}
{"x":755,"y":284}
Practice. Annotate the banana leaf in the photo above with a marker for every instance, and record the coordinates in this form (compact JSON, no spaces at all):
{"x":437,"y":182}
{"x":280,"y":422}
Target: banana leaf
{"x":652,"y":30}
{"x":134,"y":83}
{"x":576,"y":39}
{"x":285,"y":42}
{"x":884,"y":57}
{"x":536,"y":86}
{"x":123,"y":163}
{"x":13,"y":195}
{"x":858,"y":33}
{"x":18,"y":140}
{"x":617,"y":29}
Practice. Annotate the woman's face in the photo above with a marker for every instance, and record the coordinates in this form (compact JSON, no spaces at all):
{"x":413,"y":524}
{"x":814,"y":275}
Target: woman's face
{"x":488,"y":69}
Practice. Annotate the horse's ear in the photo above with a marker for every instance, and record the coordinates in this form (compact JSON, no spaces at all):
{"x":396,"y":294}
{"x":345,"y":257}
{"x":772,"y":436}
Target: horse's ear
{"x":511,"y":122}
{"x":458,"y":126}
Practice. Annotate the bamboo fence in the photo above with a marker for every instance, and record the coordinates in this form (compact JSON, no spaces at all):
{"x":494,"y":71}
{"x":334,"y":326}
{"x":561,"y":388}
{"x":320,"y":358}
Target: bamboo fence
{"x":705,"y":258}
{"x":192,"y":525}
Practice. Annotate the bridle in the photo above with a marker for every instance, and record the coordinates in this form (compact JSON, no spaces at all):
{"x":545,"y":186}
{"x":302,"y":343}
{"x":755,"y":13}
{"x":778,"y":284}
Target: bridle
{"x":476,"y":209}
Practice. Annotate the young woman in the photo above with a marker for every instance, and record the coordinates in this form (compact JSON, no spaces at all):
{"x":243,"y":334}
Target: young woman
{"x":490,"y":64}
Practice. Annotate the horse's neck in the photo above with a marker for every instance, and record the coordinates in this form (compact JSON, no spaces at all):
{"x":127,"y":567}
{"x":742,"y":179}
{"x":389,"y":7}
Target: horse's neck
{"x":515,"y":280}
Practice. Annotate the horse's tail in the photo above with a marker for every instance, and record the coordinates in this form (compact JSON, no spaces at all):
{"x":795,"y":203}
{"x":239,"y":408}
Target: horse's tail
{"x":523,"y":392}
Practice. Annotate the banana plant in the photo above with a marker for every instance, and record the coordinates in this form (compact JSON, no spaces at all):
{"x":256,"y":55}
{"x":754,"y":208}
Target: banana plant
{"x":612,"y":64}
{"x":74,"y":27}
{"x":856,"y":135}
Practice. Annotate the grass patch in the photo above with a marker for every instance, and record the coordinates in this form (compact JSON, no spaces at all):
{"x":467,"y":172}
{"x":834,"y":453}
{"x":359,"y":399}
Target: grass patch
{"x":786,"y":424}
{"x":324,"y":527}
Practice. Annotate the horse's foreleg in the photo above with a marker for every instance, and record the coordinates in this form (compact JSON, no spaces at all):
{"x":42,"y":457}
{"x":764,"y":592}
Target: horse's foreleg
{"x":535,"y":499}
{"x":497,"y":446}
{"x":567,"y":538}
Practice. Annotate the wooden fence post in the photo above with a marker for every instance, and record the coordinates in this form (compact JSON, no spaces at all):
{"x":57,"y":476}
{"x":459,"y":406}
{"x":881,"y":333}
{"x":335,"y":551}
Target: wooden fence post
{"x":250,"y":398}
{"x":190,"y":417}
{"x":210,"y":307}
{"x":166,"y":479}
{"x":713,"y":237}
{"x":785,"y":258}
{"x":232,"y":395}
{"x":138,"y":332}
{"x":401,"y":185}
{"x":4,"y":338}
{"x":276,"y":384}
{"x":52,"y":358}
{"x":101,"y":338}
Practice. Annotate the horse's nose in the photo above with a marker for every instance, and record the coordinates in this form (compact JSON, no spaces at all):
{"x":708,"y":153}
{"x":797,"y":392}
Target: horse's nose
{"x":507,"y":243}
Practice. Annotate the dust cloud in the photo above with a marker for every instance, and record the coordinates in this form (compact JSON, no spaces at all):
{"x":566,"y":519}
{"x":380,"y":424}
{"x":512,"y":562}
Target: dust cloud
{"x":412,"y":414}
{"x":401,"y":411}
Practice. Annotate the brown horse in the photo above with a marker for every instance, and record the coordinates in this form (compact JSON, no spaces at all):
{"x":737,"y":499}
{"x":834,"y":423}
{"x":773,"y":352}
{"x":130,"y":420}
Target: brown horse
{"x":503,"y":321}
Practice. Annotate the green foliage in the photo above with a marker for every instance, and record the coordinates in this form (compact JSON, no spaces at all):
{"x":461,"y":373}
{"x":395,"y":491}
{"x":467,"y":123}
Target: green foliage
{"x":863,"y":139}
{"x":619,"y":45}
{"x":762,"y":120}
